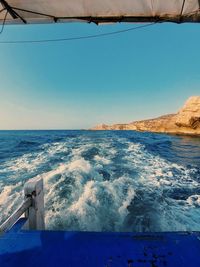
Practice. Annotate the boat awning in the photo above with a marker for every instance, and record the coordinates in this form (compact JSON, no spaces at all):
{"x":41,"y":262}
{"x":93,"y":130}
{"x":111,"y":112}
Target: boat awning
{"x":98,"y":11}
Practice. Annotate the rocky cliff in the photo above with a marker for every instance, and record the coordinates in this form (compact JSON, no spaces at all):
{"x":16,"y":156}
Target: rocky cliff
{"x":186,"y":121}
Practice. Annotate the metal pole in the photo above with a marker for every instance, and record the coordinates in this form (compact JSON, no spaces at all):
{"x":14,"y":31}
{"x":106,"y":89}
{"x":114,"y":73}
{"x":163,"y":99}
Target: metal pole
{"x":35,"y":213}
{"x":16,"y":215}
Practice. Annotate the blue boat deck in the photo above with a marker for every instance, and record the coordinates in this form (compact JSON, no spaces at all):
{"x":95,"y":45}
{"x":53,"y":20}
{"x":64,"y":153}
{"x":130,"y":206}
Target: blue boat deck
{"x":60,"y":248}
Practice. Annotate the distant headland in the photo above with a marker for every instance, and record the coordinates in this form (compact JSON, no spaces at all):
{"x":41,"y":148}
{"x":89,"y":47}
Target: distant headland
{"x":185,"y":121}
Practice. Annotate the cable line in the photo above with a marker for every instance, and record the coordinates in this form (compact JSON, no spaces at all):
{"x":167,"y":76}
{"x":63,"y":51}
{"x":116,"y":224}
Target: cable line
{"x":78,"y":37}
{"x":3,"y":24}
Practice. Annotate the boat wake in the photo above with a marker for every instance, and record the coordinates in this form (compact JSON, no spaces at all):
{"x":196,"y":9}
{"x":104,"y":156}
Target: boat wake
{"x":105,"y":182}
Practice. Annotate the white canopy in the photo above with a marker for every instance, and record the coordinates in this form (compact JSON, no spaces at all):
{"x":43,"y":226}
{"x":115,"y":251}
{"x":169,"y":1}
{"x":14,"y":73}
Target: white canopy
{"x":99,"y":11}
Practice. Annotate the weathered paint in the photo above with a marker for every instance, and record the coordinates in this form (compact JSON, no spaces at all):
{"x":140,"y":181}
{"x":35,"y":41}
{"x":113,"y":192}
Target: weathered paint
{"x":16,"y":215}
{"x":33,"y":207}
{"x":61,"y":248}
{"x":35,"y":213}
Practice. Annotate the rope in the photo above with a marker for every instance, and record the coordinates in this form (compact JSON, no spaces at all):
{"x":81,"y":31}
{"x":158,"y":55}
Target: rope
{"x":183,"y":4}
{"x":3,"y":24}
{"x":78,"y":37}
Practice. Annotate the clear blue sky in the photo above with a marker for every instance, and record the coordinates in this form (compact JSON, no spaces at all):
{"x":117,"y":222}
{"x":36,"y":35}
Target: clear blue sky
{"x":78,"y":84}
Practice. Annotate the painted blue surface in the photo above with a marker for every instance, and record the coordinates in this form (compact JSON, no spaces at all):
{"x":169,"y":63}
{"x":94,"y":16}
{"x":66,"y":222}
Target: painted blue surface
{"x":61,"y":248}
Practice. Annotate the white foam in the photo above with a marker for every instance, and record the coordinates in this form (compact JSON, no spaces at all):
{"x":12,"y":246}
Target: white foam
{"x":104,"y":194}
{"x":102,"y":160}
{"x":31,"y":161}
{"x":157,"y":175}
{"x":194,"y":200}
{"x":10,"y":198}
{"x":96,"y":204}
{"x":79,"y":165}
{"x":102,"y":205}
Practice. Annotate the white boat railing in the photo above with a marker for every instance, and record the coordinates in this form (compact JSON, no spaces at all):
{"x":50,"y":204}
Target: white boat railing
{"x":32,"y":207}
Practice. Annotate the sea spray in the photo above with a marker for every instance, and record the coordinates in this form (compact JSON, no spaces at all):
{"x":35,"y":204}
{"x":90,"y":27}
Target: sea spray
{"x":106,"y":181}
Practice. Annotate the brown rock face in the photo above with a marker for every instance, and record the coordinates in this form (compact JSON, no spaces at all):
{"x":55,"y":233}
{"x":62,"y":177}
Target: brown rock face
{"x":189,"y":115}
{"x":102,"y":127}
{"x":186,"y":121}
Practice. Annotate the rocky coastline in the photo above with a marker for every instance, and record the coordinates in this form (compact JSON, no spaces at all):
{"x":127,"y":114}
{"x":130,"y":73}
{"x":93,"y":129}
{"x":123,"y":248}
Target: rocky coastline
{"x":185,"y":121}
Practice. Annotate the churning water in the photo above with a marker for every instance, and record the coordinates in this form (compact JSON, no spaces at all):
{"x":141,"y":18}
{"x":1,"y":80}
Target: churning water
{"x":105,"y":181}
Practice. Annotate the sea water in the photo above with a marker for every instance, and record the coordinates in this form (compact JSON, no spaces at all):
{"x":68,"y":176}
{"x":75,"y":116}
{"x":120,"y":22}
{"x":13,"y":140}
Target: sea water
{"x":105,"y":180}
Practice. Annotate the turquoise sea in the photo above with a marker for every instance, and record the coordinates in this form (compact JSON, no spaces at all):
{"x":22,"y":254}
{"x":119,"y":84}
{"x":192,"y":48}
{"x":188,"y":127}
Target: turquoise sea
{"x":105,"y":180}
